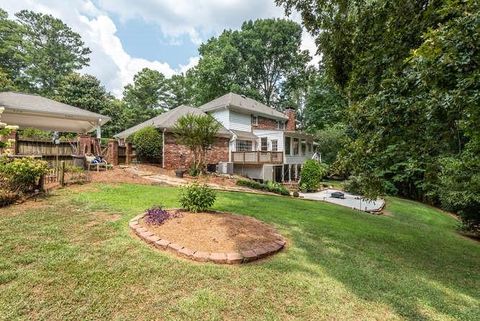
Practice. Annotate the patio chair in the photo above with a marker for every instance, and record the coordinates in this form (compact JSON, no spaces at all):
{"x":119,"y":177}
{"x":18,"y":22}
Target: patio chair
{"x":96,"y":163}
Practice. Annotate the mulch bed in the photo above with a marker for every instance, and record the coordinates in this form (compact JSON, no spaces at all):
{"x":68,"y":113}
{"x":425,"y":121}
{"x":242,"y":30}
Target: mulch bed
{"x":212,"y":237}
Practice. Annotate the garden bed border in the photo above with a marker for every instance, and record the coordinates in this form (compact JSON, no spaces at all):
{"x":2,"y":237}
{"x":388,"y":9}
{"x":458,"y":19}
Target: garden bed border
{"x":246,"y":256}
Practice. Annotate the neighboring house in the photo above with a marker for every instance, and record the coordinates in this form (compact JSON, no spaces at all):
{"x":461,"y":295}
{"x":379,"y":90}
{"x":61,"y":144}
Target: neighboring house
{"x":255,"y":140}
{"x":174,"y":155}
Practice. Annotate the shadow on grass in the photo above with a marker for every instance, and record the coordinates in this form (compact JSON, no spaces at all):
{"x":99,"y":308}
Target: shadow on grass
{"x":419,"y":270}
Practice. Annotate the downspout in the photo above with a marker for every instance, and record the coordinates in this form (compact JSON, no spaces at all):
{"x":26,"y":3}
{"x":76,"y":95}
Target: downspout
{"x":163,"y":148}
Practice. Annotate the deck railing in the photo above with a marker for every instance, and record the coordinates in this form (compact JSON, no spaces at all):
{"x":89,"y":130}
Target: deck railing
{"x":257,"y":157}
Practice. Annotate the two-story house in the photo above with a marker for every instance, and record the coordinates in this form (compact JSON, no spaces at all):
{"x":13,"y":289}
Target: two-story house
{"x":265,"y":144}
{"x":254,"y":140}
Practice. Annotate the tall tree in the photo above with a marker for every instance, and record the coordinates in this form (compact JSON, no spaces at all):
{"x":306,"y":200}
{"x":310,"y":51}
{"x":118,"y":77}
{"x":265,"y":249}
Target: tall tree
{"x":263,"y":60}
{"x":83,"y":91}
{"x":52,"y":50}
{"x":325,"y":104}
{"x":147,"y":96}
{"x":11,"y":55}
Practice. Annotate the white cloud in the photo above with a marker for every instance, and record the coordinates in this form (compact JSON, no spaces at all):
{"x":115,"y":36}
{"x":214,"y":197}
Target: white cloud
{"x":198,"y":19}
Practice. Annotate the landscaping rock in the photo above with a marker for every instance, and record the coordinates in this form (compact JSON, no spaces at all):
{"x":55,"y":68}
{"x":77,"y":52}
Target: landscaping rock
{"x":162,"y":244}
{"x":249,"y":256}
{"x":218,"y":257}
{"x":201,"y":256}
{"x":234,"y":258}
{"x":186,"y":252}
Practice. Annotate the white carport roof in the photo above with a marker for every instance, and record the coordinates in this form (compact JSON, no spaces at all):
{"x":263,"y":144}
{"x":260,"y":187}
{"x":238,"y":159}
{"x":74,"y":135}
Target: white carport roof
{"x":26,"y":110}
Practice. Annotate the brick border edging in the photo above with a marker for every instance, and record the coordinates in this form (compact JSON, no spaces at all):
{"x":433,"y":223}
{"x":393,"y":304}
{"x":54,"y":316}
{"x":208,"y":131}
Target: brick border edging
{"x":199,"y":256}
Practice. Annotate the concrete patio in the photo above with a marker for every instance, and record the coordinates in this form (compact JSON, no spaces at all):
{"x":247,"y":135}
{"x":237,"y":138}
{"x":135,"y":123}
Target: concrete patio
{"x":350,"y":200}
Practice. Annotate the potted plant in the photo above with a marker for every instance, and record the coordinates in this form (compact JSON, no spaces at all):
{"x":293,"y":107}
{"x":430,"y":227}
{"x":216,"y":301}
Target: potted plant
{"x":179,"y":172}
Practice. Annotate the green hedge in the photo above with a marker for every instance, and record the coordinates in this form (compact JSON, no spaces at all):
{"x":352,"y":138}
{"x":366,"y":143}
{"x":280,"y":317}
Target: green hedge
{"x":269,"y":186}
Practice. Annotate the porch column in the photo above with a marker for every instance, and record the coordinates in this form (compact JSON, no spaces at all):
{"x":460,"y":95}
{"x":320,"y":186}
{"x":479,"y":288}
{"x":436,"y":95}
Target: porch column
{"x":112,"y":155}
{"x":128,"y":153}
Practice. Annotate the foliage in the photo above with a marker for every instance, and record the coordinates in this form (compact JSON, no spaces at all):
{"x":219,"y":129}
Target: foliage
{"x":51,"y":50}
{"x":157,"y":215}
{"x":147,"y":96}
{"x":148,"y":143}
{"x":12,"y":60}
{"x":22,"y":174}
{"x":330,"y":141}
{"x":198,"y":133}
{"x":272,"y":187}
{"x":197,"y":198}
{"x":83,"y":91}
{"x":7,"y":197}
{"x":262,"y":60}
{"x":460,"y":189}
{"x":311,"y":175}
{"x":325,"y":106}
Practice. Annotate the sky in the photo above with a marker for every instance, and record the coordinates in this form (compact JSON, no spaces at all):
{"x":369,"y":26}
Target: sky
{"x":127,"y":36}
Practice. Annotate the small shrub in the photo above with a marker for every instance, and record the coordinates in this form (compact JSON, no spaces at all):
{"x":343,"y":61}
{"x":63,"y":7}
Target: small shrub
{"x":296,"y":194}
{"x":197,"y":198}
{"x":311,"y":175}
{"x":148,"y":143}
{"x":22,"y":174}
{"x":7,"y":197}
{"x":194,"y":171}
{"x":269,"y":186}
{"x":157,"y":215}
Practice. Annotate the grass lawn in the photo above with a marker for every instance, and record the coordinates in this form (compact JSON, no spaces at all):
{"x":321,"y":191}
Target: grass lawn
{"x":72,"y":257}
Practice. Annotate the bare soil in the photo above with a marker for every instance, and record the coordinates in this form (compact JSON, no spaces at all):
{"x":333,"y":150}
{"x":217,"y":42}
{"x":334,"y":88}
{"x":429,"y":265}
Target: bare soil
{"x":214,"y":232}
{"x":117,"y":175}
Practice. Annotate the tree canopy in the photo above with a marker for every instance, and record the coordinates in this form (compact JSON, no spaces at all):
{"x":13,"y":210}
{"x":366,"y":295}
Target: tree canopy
{"x":262,"y":60}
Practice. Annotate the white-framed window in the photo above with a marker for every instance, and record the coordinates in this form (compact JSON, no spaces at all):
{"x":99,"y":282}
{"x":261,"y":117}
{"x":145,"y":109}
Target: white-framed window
{"x":254,"y":120}
{"x":263,"y":144}
{"x":243,"y":145}
{"x":274,"y":145}
{"x":296,"y":146}
{"x":287,"y":146}
{"x":280,"y":125}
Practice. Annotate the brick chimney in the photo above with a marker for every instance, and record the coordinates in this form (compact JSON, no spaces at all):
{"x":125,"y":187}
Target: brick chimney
{"x":292,"y":119}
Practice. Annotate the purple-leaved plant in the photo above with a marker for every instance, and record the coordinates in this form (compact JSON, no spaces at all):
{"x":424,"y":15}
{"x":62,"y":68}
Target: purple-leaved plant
{"x":157,"y":215}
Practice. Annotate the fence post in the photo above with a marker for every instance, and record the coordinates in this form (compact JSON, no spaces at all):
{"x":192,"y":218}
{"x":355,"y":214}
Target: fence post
{"x":62,"y":173}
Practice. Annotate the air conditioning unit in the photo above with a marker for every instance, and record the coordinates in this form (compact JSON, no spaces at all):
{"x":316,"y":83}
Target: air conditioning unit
{"x":225,"y":168}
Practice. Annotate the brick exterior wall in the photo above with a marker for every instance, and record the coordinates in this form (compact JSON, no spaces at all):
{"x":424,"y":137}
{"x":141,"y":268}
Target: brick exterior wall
{"x":266,"y":123}
{"x":291,"y":122}
{"x":177,"y":156}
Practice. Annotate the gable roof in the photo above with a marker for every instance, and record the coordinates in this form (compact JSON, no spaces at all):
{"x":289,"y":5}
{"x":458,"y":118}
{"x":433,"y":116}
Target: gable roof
{"x":167,"y":121}
{"x":242,"y":104}
{"x":27,"y":110}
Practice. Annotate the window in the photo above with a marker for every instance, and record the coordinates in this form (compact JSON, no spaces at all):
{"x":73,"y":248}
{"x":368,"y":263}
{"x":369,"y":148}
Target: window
{"x":295,"y":146}
{"x":254,"y":120}
{"x":287,"y":145}
{"x":309,"y":147}
{"x":243,"y":145}
{"x":280,"y":125}
{"x":274,"y":145}
{"x":304,"y":147}
{"x":264,"y":144}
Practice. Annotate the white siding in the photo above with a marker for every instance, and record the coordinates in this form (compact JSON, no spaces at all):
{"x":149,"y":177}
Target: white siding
{"x":240,"y":122}
{"x":250,"y":171}
{"x":222,"y":115}
{"x":271,"y":135}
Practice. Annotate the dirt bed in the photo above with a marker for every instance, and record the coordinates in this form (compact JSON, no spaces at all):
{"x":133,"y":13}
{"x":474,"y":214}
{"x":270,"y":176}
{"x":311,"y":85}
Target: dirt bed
{"x":214,"y":232}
